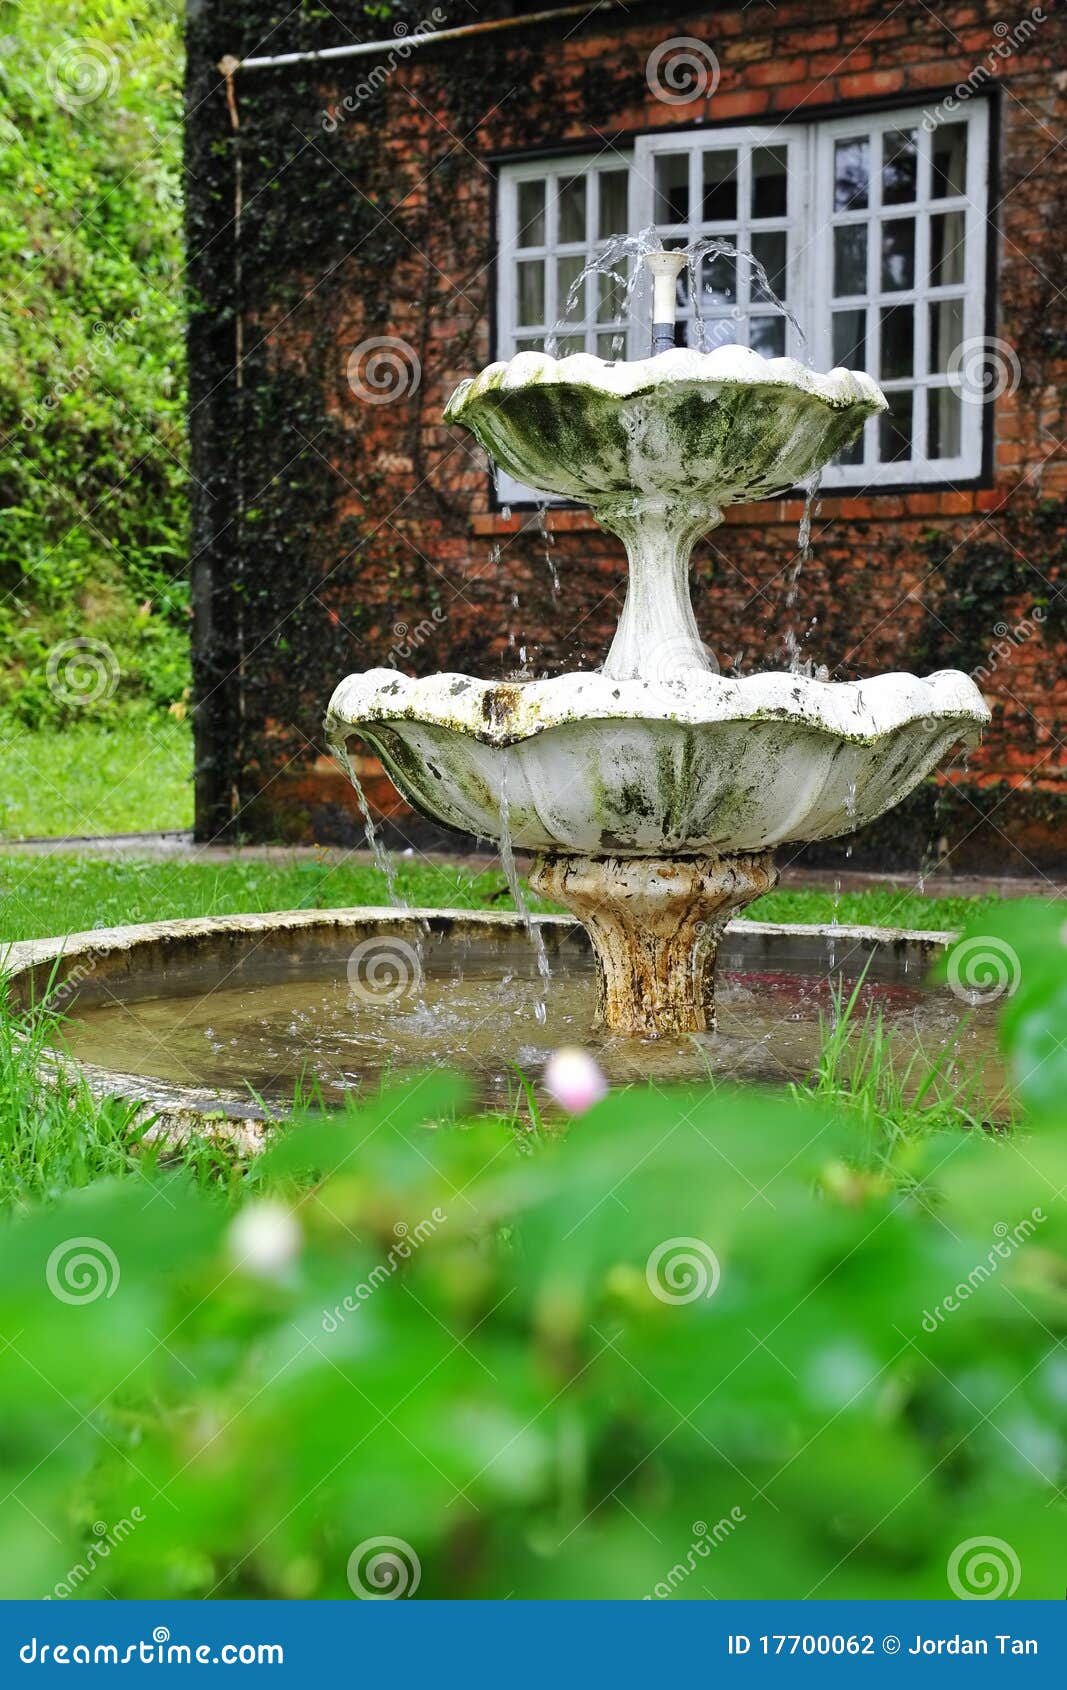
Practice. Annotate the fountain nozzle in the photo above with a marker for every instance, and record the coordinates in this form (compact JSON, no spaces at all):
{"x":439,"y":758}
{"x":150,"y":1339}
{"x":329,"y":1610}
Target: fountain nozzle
{"x":666,"y":267}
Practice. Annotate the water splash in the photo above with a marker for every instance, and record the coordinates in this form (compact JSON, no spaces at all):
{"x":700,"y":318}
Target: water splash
{"x":620,"y":260}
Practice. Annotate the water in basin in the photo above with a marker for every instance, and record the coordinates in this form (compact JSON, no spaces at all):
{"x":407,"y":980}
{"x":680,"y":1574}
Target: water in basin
{"x":486,"y":1012}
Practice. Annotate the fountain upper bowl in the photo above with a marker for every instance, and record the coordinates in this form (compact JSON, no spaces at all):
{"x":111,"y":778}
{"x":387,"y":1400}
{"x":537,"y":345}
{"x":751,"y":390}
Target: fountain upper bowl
{"x":725,"y":426}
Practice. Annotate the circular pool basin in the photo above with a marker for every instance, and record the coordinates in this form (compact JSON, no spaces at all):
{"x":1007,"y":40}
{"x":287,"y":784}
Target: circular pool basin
{"x":215,"y":1024}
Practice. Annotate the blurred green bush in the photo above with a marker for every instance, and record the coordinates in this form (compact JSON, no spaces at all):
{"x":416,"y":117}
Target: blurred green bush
{"x":700,"y":1343}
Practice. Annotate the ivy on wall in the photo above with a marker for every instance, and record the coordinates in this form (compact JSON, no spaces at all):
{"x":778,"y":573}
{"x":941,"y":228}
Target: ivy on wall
{"x":311,"y":226}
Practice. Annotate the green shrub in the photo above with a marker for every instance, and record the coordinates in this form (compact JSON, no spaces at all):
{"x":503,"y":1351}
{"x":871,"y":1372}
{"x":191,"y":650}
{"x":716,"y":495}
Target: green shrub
{"x":93,"y":526}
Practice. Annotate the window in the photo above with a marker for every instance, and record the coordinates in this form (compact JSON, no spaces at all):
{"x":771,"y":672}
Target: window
{"x":554,"y":218}
{"x":867,"y":234}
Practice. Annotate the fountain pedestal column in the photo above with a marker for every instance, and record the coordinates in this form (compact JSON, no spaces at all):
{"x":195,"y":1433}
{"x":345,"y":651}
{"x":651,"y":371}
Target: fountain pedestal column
{"x":655,"y":925}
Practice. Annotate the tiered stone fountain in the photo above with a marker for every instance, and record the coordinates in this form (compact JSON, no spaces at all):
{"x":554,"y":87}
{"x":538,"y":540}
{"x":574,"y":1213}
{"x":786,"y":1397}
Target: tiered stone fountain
{"x":655,"y":790}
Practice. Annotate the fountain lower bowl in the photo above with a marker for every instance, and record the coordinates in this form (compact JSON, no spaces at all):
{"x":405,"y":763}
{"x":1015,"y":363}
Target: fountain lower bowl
{"x":697,"y":764}
{"x":209,"y":1025}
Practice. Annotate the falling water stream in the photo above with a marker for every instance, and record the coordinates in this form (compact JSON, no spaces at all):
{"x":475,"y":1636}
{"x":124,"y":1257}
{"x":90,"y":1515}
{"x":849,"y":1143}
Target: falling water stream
{"x":511,"y":875}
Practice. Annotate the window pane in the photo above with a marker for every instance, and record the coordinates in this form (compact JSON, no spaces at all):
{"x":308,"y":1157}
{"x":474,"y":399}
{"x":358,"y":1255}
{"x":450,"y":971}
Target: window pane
{"x":850,"y":339}
{"x":531,"y":198}
{"x":898,"y":342}
{"x":611,"y":346}
{"x":767,"y":336}
{"x":569,"y":343}
{"x":613,"y":212}
{"x":899,"y":166}
{"x":769,"y":182}
{"x":946,"y":249}
{"x":852,"y":170}
{"x":850,"y":258}
{"x":719,"y":331}
{"x":894,"y":429}
{"x":672,"y":188}
{"x":531,"y":275}
{"x":943,"y":423}
{"x":572,"y":209}
{"x":770,"y":251}
{"x":720,"y":187}
{"x":898,"y":253}
{"x":949,"y":161}
{"x":531,"y":344}
{"x":719,"y":279}
{"x":568,"y":309}
{"x":946,"y":332}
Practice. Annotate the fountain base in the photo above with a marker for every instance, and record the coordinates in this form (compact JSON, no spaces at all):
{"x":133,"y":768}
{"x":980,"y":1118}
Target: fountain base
{"x":655,"y":924}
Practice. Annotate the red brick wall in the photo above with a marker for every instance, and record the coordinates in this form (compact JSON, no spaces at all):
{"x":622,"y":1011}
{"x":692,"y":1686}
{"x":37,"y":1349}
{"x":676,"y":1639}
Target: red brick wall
{"x":444,"y":559}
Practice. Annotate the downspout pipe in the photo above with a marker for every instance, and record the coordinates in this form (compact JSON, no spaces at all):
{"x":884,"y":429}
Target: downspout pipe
{"x":229,"y":64}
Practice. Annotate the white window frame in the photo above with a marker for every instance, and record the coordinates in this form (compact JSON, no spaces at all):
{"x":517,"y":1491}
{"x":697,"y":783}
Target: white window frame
{"x":743,"y":141}
{"x":918,"y":468}
{"x":810,"y":222}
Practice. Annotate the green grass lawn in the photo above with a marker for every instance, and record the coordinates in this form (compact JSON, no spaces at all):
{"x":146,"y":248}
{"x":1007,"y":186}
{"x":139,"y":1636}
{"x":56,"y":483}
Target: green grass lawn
{"x":91,"y":778}
{"x":67,"y":894}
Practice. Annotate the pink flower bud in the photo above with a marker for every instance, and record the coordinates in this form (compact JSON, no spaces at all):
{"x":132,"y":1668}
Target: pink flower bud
{"x":573,"y":1080}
